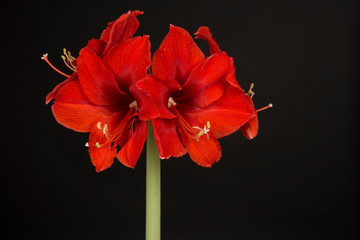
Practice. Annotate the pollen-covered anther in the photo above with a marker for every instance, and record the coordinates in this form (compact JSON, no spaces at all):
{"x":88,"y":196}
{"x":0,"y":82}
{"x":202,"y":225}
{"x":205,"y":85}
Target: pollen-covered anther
{"x":133,"y":104}
{"x":97,"y":144}
{"x":203,"y":131}
{"x":68,"y":59}
{"x":250,"y":93}
{"x":171,"y":102}
{"x":104,"y":129}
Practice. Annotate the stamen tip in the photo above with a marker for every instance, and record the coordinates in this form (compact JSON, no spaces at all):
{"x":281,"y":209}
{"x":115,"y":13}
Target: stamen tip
{"x":270,"y":105}
{"x":86,"y":144}
{"x":44,"y":56}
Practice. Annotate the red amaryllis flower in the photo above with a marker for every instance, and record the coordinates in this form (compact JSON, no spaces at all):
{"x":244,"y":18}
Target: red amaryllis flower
{"x":198,"y":97}
{"x":116,"y":32}
{"x":105,"y":102}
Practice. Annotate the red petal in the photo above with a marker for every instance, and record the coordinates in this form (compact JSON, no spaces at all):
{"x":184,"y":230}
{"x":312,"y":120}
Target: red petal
{"x":73,"y":110}
{"x":176,"y":56}
{"x":145,"y":105}
{"x":204,"y":33}
{"x":129,"y":61}
{"x":251,"y":127}
{"x":98,"y":82}
{"x":129,"y":154}
{"x":207,"y":81}
{"x":106,"y":33}
{"x":204,"y":152}
{"x":231,"y":79}
{"x":120,"y":30}
{"x":54,"y":92}
{"x":226,"y":115}
{"x":158,"y":93}
{"x":205,"y":149}
{"x":168,"y":138}
{"x":97,"y":46}
{"x":102,"y":156}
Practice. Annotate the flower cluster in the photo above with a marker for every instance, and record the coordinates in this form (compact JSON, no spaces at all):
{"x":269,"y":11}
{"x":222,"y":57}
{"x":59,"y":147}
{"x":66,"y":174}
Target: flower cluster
{"x":116,"y":88}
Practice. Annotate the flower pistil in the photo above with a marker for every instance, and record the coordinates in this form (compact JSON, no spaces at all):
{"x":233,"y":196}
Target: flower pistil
{"x":68,"y":60}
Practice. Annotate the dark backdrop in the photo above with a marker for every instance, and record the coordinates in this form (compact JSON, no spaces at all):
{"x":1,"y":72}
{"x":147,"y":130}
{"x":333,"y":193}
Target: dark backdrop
{"x":298,"y":179}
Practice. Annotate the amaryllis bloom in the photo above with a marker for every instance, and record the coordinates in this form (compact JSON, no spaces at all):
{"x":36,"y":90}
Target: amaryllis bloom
{"x":105,"y":102}
{"x":116,"y":32}
{"x":198,"y":97}
{"x":100,"y":97}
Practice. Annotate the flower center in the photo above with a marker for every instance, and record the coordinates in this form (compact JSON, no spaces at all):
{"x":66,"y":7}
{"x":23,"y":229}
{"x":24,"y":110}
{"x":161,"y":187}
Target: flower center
{"x":68,"y":59}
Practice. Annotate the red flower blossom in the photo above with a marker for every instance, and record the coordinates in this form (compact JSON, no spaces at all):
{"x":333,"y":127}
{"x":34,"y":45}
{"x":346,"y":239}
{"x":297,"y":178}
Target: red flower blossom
{"x":100,"y":96}
{"x":105,"y":102}
{"x":198,"y":97}
{"x":116,"y":32}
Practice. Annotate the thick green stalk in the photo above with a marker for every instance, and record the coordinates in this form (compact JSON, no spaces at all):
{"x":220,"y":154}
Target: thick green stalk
{"x":153,"y":188}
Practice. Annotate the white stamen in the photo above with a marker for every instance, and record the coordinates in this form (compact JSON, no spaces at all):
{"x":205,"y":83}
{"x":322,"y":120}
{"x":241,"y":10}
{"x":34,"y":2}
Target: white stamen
{"x":203,"y":131}
{"x":171,"y":102}
{"x":86,"y":144}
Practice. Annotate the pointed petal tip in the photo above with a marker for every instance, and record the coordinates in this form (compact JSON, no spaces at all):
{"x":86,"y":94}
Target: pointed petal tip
{"x":250,"y":137}
{"x":49,"y":97}
{"x":201,"y":30}
{"x":127,"y":164}
{"x":172,"y":26}
{"x":99,"y":169}
{"x":136,"y":12}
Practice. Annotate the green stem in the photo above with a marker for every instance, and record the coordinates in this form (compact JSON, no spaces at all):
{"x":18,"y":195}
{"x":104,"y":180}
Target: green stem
{"x":153,"y":188}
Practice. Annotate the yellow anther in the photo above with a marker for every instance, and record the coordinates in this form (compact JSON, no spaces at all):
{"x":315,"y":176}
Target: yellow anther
{"x":99,"y":125}
{"x":68,"y":55}
{"x":68,"y":59}
{"x":203,"y":131}
{"x":133,"y":104}
{"x":105,"y":129}
{"x":97,"y":145}
{"x":250,"y":93}
{"x":171,"y":102}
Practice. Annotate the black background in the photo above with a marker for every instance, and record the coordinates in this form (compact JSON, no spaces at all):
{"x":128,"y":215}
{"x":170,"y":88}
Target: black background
{"x":298,"y":179}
